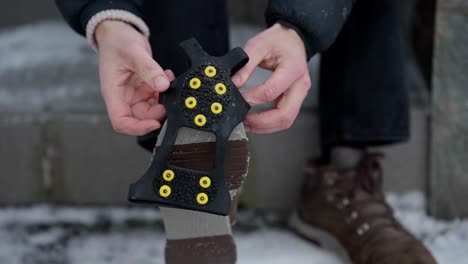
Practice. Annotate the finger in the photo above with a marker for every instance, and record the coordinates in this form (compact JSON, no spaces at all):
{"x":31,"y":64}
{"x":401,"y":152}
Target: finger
{"x":146,"y":110}
{"x":132,"y":126}
{"x":149,"y":70}
{"x":275,"y":85}
{"x":122,"y":119}
{"x":257,"y":53}
{"x":285,"y":112}
{"x":170,"y":75}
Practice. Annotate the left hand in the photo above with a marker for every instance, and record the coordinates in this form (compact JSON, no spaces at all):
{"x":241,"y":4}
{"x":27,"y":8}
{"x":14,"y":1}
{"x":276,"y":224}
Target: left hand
{"x":280,"y":50}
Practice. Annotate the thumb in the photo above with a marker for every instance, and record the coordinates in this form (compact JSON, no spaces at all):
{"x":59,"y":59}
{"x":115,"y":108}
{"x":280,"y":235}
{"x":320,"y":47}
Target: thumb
{"x":150,"y":71}
{"x":256,"y":51}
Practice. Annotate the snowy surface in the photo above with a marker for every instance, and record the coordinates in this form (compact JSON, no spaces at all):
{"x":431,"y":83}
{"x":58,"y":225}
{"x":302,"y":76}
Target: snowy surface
{"x":42,"y":44}
{"x":46,"y":234}
{"x":46,"y":66}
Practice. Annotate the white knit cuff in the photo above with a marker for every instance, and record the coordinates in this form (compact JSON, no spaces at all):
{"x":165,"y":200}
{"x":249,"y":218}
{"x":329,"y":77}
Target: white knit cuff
{"x":114,"y":14}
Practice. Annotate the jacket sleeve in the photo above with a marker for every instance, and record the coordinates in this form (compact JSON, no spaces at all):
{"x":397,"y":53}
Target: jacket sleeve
{"x":78,"y":12}
{"x":318,"y":22}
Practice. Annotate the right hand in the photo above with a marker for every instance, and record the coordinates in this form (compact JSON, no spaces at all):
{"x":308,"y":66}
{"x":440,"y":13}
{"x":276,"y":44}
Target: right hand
{"x":131,"y":79}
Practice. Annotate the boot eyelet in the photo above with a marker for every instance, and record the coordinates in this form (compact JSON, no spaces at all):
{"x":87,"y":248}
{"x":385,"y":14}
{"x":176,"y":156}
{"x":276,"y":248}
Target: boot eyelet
{"x":345,"y":202}
{"x":363,"y":229}
{"x":330,"y":178}
{"x":352,"y":217}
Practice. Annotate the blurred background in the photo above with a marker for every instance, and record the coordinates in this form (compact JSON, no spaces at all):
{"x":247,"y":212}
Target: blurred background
{"x":59,"y":156}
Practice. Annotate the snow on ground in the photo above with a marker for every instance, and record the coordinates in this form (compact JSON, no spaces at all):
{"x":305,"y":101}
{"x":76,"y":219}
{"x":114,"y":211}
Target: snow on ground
{"x":448,"y":240}
{"x":46,"y":66}
{"x":46,"y":234}
{"x":42,"y":44}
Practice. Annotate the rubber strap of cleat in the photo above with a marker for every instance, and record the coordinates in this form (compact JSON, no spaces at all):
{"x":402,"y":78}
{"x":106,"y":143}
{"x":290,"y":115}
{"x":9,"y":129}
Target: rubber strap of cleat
{"x":202,"y":98}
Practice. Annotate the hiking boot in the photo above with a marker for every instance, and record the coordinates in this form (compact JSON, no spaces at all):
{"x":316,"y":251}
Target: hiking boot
{"x":200,"y":237}
{"x":346,"y":210}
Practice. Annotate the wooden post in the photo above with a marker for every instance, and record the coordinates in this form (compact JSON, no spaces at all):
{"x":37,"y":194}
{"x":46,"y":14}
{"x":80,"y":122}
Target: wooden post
{"x":448,"y":183}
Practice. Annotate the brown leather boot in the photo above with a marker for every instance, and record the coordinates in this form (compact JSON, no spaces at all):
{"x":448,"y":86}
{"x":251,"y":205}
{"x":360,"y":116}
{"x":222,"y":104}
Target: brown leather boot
{"x":347,"y":209}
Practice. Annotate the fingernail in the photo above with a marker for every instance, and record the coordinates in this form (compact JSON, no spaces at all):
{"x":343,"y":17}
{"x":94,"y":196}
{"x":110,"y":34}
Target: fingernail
{"x":159,"y":83}
{"x":236,"y":80}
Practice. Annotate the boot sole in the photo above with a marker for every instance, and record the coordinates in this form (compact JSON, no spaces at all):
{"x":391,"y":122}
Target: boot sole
{"x":317,"y":236}
{"x":205,"y":250}
{"x":200,"y":237}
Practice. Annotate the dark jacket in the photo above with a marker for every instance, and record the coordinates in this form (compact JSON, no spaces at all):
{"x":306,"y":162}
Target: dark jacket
{"x":318,"y":22}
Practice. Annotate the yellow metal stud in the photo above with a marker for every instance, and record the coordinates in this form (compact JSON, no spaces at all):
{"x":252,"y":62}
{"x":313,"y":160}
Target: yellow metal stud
{"x":200,"y":120}
{"x":220,"y":88}
{"x":205,"y":182}
{"x":195,"y":83}
{"x":165,"y":191}
{"x":216,"y":108}
{"x":190,"y":102}
{"x":202,"y":198}
{"x":168,"y":175}
{"x":210,"y":71}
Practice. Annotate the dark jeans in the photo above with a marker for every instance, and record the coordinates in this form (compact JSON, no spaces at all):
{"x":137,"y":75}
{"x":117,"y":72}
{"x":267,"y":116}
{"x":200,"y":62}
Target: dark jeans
{"x":363,"y":95}
{"x":363,"y":99}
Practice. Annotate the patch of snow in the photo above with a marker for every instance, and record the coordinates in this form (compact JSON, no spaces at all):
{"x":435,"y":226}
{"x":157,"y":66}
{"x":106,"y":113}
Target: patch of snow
{"x":40,"y":97}
{"x":448,"y":240}
{"x":46,"y":66}
{"x":42,"y":232}
{"x":138,"y":246}
{"x":41,"y":44}
{"x":50,"y":215}
{"x":12,"y":249}
{"x":46,"y":237}
{"x":276,"y":246}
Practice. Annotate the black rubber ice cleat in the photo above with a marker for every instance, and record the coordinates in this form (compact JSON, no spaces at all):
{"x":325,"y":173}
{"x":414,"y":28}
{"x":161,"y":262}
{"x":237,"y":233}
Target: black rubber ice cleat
{"x":202,"y":98}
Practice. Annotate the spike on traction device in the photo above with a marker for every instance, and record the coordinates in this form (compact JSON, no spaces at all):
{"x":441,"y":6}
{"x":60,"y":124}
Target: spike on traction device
{"x":202,"y":98}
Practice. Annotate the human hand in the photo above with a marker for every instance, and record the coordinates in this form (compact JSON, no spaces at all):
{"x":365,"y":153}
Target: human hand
{"x":130,"y":78}
{"x":280,"y":50}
